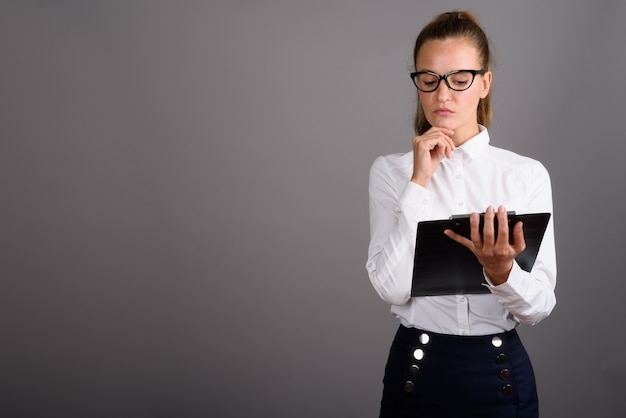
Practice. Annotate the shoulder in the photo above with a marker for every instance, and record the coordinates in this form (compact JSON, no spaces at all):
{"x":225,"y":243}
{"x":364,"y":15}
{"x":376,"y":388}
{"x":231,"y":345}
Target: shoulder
{"x":510,"y":157}
{"x":513,"y":162}
{"x":391,"y":162}
{"x":391,"y":171}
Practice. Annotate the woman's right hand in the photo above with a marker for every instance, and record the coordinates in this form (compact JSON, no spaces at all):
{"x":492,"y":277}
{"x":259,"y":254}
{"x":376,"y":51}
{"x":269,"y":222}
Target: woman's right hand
{"x":428,"y":150}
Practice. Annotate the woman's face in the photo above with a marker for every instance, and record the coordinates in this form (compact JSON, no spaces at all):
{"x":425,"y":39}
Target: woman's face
{"x":446,"y":108}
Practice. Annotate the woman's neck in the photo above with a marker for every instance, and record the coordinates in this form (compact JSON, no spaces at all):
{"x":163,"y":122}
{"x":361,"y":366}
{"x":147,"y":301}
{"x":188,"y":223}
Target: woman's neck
{"x":463,"y":135}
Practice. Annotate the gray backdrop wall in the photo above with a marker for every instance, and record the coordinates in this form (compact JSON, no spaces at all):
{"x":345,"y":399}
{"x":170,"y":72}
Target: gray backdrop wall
{"x":184,"y":216}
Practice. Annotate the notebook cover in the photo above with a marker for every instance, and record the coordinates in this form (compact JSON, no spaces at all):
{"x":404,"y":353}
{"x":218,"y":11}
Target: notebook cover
{"x":444,"y":267}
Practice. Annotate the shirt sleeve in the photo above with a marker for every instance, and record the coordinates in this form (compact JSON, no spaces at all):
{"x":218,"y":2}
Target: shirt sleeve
{"x":396,"y":205}
{"x":529,"y":296}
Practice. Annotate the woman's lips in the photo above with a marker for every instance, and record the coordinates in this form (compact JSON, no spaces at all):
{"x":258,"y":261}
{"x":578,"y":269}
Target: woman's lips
{"x":443,"y":111}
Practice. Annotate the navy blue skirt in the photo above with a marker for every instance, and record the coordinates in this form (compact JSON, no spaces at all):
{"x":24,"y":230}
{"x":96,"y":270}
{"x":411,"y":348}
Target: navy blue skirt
{"x":436,"y":375}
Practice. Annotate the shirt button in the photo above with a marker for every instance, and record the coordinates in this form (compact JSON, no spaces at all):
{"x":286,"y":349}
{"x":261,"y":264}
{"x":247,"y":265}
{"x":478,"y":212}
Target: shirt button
{"x":464,"y":332}
{"x":462,"y":299}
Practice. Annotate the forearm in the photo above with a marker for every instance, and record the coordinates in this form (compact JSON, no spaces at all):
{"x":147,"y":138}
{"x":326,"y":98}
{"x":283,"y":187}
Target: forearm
{"x":527,"y":296}
{"x":390,"y":267}
{"x":393,"y":226}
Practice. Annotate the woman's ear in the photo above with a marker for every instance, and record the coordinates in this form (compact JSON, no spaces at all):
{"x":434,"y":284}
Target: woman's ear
{"x":486,"y":84}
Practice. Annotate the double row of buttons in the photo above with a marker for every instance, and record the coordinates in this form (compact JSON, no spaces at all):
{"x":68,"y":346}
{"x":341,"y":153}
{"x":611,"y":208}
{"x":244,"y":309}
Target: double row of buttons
{"x":418,"y":354}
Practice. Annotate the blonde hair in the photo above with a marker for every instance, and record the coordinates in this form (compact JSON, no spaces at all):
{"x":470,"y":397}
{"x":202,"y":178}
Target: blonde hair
{"x":456,"y":24}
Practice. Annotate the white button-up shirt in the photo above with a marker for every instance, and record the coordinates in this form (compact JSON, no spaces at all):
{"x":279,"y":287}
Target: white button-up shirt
{"x":478,"y":175}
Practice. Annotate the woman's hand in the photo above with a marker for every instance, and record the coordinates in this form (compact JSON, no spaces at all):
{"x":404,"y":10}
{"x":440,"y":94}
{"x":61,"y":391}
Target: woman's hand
{"x":428,"y":149}
{"x":495,"y":255}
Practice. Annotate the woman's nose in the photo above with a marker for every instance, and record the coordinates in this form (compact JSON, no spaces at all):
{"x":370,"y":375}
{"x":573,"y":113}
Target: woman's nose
{"x":443,"y":92}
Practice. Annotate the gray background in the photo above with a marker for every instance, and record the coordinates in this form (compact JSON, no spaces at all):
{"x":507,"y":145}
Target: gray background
{"x":184,"y":217}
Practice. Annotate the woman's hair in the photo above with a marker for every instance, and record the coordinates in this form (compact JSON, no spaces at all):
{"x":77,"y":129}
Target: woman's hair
{"x":456,"y":25}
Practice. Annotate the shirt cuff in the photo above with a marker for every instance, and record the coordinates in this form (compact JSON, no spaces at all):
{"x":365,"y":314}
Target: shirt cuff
{"x":508,"y":288}
{"x":416,"y":199}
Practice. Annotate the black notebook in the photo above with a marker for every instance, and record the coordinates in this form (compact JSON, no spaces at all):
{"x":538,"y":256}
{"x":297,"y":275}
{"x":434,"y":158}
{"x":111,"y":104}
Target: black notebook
{"x":444,"y":267}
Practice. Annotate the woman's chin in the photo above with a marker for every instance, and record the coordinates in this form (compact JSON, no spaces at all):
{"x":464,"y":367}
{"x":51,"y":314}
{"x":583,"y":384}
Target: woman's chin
{"x":443,"y":122}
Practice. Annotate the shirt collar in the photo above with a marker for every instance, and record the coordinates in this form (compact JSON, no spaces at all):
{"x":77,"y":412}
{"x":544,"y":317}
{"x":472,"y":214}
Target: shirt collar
{"x":477,"y":144}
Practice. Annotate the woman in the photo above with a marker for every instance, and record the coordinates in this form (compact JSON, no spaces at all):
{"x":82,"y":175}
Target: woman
{"x":458,"y":355}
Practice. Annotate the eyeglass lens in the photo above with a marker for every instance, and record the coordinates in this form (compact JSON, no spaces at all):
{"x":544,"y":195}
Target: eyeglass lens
{"x":458,"y":81}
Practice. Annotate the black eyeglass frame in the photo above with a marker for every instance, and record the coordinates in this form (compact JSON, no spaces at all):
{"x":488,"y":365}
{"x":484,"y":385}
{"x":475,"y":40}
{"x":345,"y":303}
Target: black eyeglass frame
{"x":445,"y":78}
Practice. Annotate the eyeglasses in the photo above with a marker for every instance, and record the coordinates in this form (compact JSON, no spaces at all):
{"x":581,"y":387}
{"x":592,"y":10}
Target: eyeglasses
{"x":458,"y":80}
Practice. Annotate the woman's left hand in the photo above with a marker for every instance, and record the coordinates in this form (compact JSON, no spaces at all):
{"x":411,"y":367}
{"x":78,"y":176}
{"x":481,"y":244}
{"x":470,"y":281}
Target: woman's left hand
{"x":495,"y":255}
